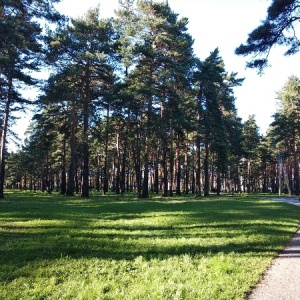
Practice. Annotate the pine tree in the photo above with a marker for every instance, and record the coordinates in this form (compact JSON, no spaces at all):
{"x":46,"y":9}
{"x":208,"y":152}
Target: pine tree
{"x":86,"y":45}
{"x":286,"y":129}
{"x":169,"y":55}
{"x":215,"y":105}
{"x":20,"y":52}
{"x":60,"y":102}
{"x":278,"y":28}
{"x":251,"y":142}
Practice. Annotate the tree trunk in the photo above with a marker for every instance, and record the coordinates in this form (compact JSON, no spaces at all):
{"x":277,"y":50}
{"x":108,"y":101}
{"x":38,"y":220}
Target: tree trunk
{"x":105,"y":169}
{"x":71,"y":175}
{"x":72,"y":165}
{"x":249,"y":176}
{"x":164,"y":147}
{"x":171,"y":161}
{"x":63,"y":187}
{"x":218,"y":182}
{"x":178,"y":169}
{"x":137,"y":162}
{"x":193,"y":173}
{"x":206,"y":170}
{"x":3,"y":138}
{"x":186,"y":172}
{"x":85,"y":145}
{"x":198,"y":170}
{"x":156,"y":173}
{"x":165,"y":172}
{"x":145,"y":193}
{"x":198,"y":159}
{"x":296,"y":172}
{"x":124,"y":157}
{"x":117,"y":164}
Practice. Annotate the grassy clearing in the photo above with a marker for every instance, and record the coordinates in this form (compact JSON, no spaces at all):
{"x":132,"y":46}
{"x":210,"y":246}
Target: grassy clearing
{"x":53,"y":247}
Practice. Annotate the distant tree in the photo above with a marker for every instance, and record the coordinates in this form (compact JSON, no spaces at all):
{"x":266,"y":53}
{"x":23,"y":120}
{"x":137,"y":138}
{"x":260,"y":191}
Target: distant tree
{"x":39,"y":150}
{"x":234,"y":132}
{"x":15,"y":170}
{"x":267,"y":163}
{"x":251,"y":142}
{"x":279,"y":27}
{"x":286,"y":129}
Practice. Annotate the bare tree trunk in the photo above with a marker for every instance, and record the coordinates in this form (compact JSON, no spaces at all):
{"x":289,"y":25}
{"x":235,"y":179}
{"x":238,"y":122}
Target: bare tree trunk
{"x":156,"y":173}
{"x":124,"y":157}
{"x":296,"y":172}
{"x":137,"y":162}
{"x":198,"y":159}
{"x":72,"y":165}
{"x":198,"y":169}
{"x":164,"y":149}
{"x":145,"y":192}
{"x":249,"y":176}
{"x":105,"y":169}
{"x":85,"y":164}
{"x":3,"y":138}
{"x":165,"y":172}
{"x":85,"y":145}
{"x":178,"y":169}
{"x":117,"y":162}
{"x":218,"y":182}
{"x":171,"y":161}
{"x":63,"y":185}
{"x":186,"y":172}
{"x":206,"y":170}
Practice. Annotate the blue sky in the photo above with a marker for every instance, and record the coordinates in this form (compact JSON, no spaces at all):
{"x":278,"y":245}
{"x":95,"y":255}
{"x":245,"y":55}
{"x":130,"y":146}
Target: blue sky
{"x":224,"y":24}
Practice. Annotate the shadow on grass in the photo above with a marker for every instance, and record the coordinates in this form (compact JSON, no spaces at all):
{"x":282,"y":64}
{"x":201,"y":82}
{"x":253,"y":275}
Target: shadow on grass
{"x":37,"y":227}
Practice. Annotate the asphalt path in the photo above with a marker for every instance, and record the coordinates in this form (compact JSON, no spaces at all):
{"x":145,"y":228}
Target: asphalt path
{"x":281,"y":280}
{"x":294,"y":201}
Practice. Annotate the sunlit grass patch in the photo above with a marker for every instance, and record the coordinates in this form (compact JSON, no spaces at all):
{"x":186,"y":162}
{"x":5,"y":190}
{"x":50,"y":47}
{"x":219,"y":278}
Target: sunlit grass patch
{"x":55,"y":247}
{"x":176,"y":277}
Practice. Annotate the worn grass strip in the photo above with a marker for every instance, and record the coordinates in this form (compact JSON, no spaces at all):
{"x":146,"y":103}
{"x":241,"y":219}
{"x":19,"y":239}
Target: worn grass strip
{"x":53,"y":247}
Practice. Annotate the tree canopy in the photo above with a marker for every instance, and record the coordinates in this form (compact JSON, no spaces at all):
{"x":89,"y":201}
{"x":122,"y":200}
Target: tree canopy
{"x":21,"y":49}
{"x":279,"y":27}
{"x":129,"y":107}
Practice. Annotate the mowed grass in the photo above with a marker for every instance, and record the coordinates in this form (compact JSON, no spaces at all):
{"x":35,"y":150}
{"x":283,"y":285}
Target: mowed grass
{"x":108,"y":247}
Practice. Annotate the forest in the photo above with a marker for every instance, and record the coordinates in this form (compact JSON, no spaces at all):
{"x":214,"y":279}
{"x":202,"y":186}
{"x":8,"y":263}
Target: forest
{"x":128,"y":107}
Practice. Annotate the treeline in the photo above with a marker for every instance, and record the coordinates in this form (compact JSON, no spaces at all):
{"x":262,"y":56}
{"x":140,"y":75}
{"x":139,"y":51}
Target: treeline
{"x":129,"y":107}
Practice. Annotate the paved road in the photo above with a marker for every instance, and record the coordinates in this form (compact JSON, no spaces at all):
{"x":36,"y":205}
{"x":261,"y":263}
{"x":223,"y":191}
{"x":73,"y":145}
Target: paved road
{"x":281,"y":281}
{"x":294,"y":201}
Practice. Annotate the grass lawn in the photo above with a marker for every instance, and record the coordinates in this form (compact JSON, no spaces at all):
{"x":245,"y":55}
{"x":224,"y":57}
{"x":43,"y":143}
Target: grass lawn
{"x":108,"y":247}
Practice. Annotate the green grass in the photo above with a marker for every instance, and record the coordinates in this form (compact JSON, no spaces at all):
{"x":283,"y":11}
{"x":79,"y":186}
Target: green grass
{"x":53,"y":247}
